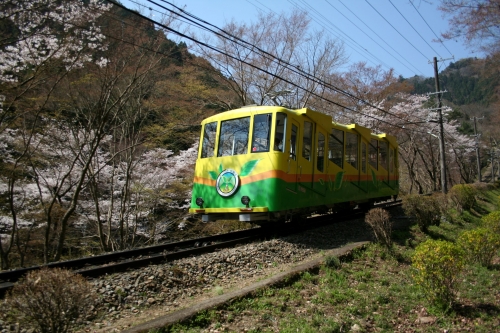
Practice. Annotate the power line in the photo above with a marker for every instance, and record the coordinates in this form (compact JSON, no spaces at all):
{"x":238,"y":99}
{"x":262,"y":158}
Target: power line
{"x":381,"y":38}
{"x":439,"y":39}
{"x":414,"y":28}
{"x":267,"y":72}
{"x":290,"y":67}
{"x":340,"y":31}
{"x":369,"y":35}
{"x":396,"y":30}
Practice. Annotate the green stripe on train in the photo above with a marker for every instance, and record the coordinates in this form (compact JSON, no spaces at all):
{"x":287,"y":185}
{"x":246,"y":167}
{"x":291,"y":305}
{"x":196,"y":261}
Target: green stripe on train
{"x":279,"y":195}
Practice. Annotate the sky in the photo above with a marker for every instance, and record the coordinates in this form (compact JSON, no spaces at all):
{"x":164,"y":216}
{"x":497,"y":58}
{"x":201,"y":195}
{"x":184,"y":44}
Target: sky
{"x":390,"y":33}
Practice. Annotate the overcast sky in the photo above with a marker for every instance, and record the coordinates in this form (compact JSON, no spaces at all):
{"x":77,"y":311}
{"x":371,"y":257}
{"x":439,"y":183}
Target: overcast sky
{"x":391,"y":33}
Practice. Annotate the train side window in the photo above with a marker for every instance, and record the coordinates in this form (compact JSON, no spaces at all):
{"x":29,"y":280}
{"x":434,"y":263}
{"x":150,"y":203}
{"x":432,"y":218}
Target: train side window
{"x":279,"y":132}
{"x":383,"y":154}
{"x":320,"y":163}
{"x":336,"y":147}
{"x":293,"y":142}
{"x":208,"y":144}
{"x":307,"y":140}
{"x":373,"y":153}
{"x":363,"y":157}
{"x":233,"y":138}
{"x":351,"y":149}
{"x":261,"y":136}
{"x":391,"y":160}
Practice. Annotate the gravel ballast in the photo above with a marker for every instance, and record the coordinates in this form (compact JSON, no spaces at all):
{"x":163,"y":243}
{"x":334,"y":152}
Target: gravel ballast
{"x":129,"y":298}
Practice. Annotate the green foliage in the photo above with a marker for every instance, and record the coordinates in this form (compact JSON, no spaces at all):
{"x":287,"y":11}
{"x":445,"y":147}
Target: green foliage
{"x":463,"y":196}
{"x":425,"y":210}
{"x":333,"y":262}
{"x":480,"y":245}
{"x":444,"y":203}
{"x":50,"y":300}
{"x":437,"y":266}
{"x":492,"y":221}
{"x":219,"y":290}
{"x":379,"y":220}
{"x":463,"y":81}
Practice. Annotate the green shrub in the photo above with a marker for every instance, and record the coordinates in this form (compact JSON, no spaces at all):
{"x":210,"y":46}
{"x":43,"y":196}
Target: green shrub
{"x":437,"y":266}
{"x":333,"y":262}
{"x":424,"y":208}
{"x":463,"y":196}
{"x":50,"y":300}
{"x":444,"y":204}
{"x":480,"y":245}
{"x":379,"y":220}
{"x":492,"y":221}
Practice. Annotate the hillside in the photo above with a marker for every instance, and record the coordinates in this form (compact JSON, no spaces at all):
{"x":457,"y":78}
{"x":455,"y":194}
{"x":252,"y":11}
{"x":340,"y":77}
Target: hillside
{"x":467,"y":81}
{"x":97,"y":143}
{"x":472,"y":90}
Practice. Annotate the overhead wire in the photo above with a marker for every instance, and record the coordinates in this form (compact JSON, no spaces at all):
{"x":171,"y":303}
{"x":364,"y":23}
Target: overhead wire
{"x":381,"y":38}
{"x":439,"y":39}
{"x":251,"y":65}
{"x":396,"y":30}
{"x":269,"y":9}
{"x":341,"y":31}
{"x":290,"y":67}
{"x":349,"y":39}
{"x":404,"y":17}
{"x":265,"y":71}
{"x":383,"y":48}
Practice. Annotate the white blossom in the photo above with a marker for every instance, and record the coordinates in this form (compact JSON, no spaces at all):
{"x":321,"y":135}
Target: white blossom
{"x":39,"y":24}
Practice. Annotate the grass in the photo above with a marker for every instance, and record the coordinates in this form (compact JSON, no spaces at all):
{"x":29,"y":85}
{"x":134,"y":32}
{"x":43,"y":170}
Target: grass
{"x":373,"y":291}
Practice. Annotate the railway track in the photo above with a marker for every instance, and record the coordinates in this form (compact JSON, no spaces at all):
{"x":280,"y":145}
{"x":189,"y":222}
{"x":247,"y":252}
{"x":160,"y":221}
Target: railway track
{"x":92,"y":267}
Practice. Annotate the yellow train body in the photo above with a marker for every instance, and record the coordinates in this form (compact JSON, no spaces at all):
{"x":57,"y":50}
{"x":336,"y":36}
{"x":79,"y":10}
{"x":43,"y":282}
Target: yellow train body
{"x":266,"y":163}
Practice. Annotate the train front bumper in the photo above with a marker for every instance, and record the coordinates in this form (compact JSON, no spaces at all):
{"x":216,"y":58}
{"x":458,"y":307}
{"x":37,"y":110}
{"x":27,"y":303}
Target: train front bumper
{"x":242,"y":214}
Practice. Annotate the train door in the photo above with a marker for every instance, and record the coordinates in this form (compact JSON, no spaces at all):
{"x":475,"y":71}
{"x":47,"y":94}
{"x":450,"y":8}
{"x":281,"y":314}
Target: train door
{"x":384,"y":160}
{"x":306,"y":158}
{"x":363,"y":179}
{"x":292,"y":158}
{"x":392,"y":169}
{"x":352,"y":143}
{"x":319,"y":179}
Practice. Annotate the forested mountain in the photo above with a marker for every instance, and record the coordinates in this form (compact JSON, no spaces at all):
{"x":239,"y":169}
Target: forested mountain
{"x":98,"y":129}
{"x":472,"y":88}
{"x":467,"y":81}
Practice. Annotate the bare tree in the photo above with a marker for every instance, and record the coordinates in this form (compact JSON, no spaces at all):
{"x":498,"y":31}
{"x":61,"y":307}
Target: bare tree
{"x":266,"y":61}
{"x":477,"y":22}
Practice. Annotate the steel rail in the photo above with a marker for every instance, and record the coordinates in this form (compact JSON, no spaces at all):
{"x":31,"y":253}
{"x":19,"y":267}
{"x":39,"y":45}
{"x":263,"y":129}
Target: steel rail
{"x":92,"y":267}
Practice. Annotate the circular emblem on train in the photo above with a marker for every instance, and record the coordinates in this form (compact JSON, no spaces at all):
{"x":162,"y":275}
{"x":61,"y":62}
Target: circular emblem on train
{"x":227,"y":182}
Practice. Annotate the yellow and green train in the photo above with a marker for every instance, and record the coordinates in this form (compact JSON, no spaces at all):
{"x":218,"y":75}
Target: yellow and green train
{"x":270,"y":163}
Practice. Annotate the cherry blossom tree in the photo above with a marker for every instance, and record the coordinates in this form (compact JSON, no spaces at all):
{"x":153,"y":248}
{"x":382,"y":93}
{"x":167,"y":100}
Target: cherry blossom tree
{"x":416,"y":128}
{"x":44,"y":40}
{"x":73,"y":111}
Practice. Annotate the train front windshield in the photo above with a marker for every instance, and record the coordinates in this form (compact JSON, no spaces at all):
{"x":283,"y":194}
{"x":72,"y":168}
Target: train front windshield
{"x":234,"y":135}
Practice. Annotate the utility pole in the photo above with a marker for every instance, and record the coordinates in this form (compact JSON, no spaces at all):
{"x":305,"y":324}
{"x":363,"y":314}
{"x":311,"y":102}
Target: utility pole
{"x":444,"y":183}
{"x":477,"y":151}
{"x":492,"y":158}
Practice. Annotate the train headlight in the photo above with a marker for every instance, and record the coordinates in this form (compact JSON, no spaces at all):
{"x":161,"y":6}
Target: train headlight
{"x":199,"y":202}
{"x":245,"y":200}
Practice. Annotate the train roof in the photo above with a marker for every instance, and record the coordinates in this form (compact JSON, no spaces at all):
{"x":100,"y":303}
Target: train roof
{"x":316,"y":116}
